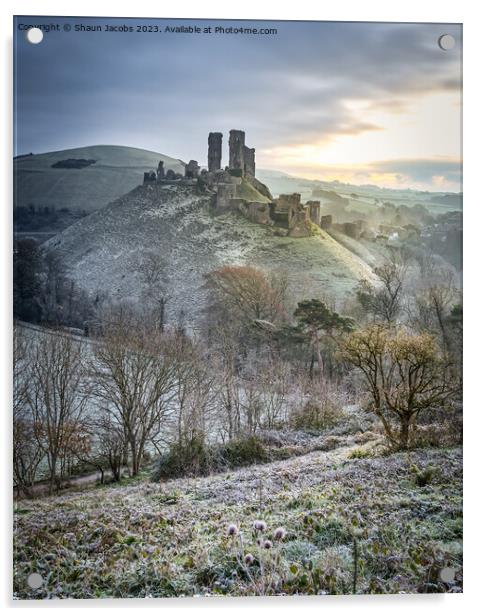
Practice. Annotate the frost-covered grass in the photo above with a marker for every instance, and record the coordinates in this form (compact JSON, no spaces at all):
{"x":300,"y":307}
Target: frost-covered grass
{"x":103,"y":252}
{"x":141,"y":539}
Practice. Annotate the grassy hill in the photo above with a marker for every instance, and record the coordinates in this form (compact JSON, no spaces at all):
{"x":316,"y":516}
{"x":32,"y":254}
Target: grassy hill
{"x":104,"y":251}
{"x":143,"y":539}
{"x":117,"y":170}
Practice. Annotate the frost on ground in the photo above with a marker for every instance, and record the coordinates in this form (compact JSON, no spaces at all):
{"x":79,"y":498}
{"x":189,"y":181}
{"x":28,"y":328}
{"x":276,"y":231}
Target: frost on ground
{"x":369,"y":525}
{"x":103,"y":252}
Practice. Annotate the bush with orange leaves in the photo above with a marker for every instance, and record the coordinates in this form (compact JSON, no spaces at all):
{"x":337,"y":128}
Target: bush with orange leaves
{"x":248,"y":294}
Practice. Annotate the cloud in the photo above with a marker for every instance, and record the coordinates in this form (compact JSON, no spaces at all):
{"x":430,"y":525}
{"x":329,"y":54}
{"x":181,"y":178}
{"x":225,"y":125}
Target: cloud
{"x":422,"y":170}
{"x":165,"y":92}
{"x":423,"y":174}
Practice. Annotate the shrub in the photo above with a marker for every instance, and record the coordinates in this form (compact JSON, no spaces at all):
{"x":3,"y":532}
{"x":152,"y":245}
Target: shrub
{"x":359,"y":454}
{"x":188,"y":458}
{"x":329,"y":532}
{"x":332,"y":442}
{"x":288,"y":451}
{"x":365,"y":437}
{"x":424,"y":476}
{"x":196,"y":458}
{"x":404,"y":374}
{"x":243,"y":451}
{"x":317,"y":415}
{"x":299,"y":551}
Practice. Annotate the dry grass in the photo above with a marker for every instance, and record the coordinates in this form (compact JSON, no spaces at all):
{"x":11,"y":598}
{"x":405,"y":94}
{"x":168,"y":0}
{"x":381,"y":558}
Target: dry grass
{"x":146,"y":540}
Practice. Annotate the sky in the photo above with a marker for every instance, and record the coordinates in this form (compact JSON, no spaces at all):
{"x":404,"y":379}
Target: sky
{"x":364,"y":103}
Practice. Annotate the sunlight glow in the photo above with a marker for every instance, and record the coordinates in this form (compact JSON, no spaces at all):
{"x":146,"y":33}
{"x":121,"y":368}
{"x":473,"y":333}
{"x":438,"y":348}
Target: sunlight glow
{"x":418,"y":129}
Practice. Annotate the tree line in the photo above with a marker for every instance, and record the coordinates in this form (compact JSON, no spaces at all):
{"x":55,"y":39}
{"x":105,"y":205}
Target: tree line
{"x":142,"y":387}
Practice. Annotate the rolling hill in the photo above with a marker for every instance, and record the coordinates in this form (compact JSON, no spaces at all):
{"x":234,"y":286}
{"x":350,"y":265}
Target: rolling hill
{"x":116,"y":171}
{"x":119,"y":169}
{"x":105,"y":250}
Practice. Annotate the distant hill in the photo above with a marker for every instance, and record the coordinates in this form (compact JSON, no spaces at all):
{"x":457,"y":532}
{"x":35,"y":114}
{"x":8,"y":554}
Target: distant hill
{"x":452,"y":199}
{"x":54,"y":180}
{"x":69,"y":178}
{"x":104,"y":251}
{"x":359,"y":196}
{"x":330,"y":195}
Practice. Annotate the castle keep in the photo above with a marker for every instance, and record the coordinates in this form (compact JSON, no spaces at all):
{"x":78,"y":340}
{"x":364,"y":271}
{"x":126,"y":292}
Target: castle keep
{"x":215,"y":145}
{"x":236,"y":188}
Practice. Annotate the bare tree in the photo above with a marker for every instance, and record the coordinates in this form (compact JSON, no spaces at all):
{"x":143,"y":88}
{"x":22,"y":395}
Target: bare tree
{"x":265,"y":385}
{"x":229,"y":386}
{"x":20,"y":371}
{"x":247,"y":293}
{"x":134,"y":382}
{"x":432,"y":303}
{"x":251,"y":404}
{"x":109,"y":445}
{"x":27,"y":453}
{"x":53,"y":292}
{"x":384,"y":302}
{"x":57,"y":399}
{"x":275,"y":385}
{"x":154,"y":275}
{"x":196,"y":389}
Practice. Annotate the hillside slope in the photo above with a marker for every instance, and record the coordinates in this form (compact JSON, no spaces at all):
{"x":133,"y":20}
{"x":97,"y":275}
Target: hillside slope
{"x":149,"y":540}
{"x":104,"y":251}
{"x":117,"y":170}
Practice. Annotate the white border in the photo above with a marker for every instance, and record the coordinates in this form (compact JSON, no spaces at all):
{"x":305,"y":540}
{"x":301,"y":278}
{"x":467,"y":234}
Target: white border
{"x":349,"y":10}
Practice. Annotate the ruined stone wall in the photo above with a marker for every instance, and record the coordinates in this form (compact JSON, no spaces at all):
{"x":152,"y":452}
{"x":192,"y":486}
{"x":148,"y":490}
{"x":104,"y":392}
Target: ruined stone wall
{"x":283,"y":208}
{"x":351,"y":229}
{"x":215,"y":145}
{"x":224,"y":195}
{"x":172,"y":175}
{"x":286,"y":201}
{"x":249,"y":161}
{"x":315,"y":211}
{"x":236,"y":149}
{"x":149,"y":177}
{"x":300,"y":224}
{"x":255,"y":211}
{"x":326,"y":221}
{"x":192,"y":169}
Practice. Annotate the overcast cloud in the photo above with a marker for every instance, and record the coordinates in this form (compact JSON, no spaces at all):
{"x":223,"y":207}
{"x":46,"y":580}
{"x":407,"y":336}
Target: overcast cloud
{"x":165,"y":92}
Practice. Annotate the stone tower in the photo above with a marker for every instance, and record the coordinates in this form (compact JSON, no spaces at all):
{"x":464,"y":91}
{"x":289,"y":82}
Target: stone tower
{"x":236,"y":149}
{"x":215,"y":144}
{"x":249,"y":164}
{"x":315,"y":211}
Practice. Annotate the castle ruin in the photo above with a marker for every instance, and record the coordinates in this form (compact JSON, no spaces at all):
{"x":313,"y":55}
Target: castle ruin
{"x":249,"y":162}
{"x":192,"y":169}
{"x":236,"y":150}
{"x":215,"y":146}
{"x":236,"y":188}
